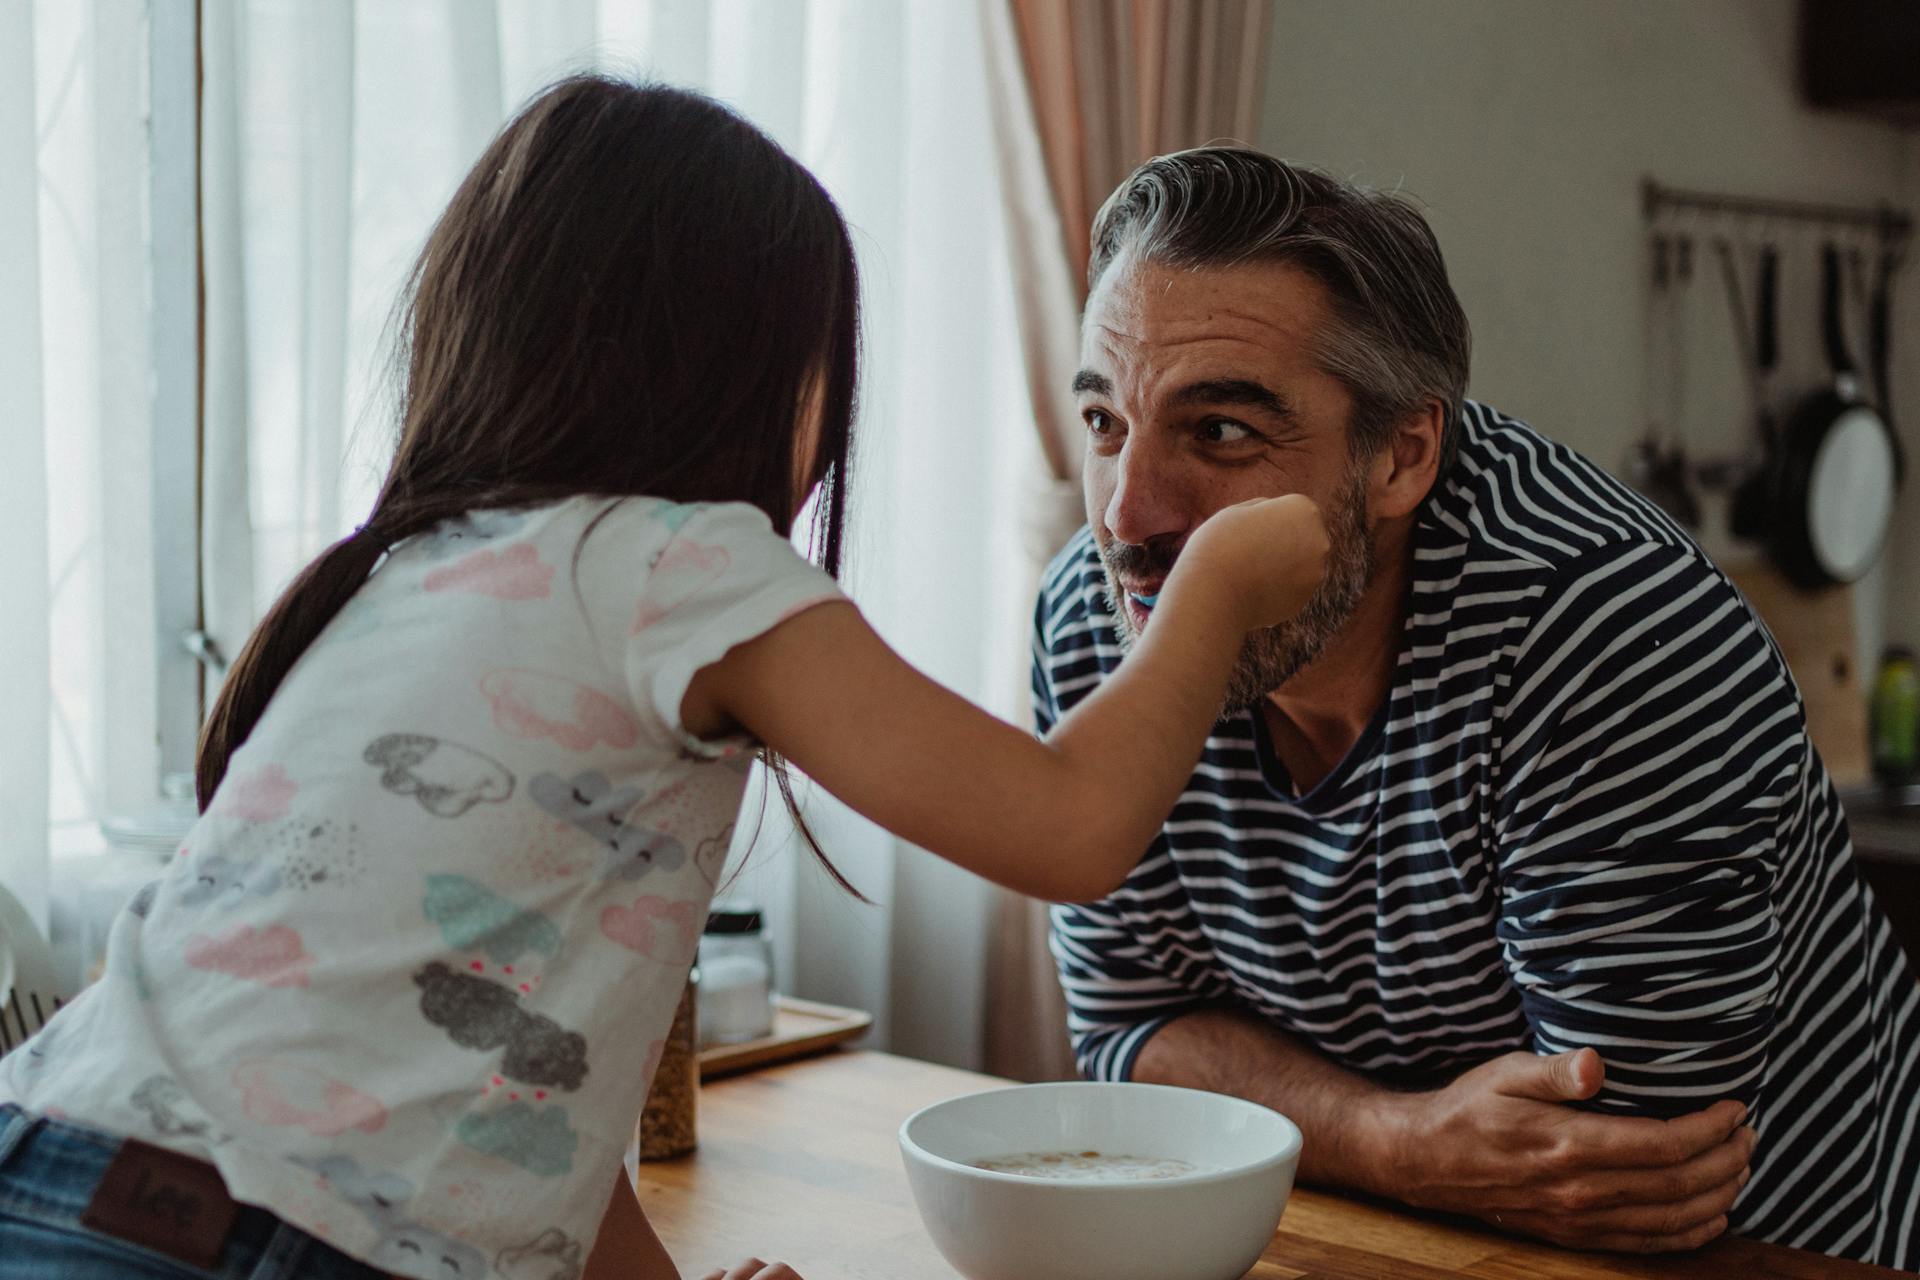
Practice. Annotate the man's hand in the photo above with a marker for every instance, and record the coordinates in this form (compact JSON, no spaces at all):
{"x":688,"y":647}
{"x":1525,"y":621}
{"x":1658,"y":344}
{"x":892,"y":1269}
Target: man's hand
{"x":1502,"y":1144}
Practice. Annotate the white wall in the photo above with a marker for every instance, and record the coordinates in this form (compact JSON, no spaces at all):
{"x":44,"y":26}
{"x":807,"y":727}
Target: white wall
{"x":1903,"y":566}
{"x":1525,"y":126}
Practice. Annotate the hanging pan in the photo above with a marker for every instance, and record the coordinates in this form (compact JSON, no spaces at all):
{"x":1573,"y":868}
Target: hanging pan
{"x":1834,"y":469}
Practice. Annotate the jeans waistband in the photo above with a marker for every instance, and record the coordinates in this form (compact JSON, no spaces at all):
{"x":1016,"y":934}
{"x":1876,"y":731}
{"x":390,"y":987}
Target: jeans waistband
{"x":14,"y":1126}
{"x":51,"y":1168}
{"x":67,"y":1162}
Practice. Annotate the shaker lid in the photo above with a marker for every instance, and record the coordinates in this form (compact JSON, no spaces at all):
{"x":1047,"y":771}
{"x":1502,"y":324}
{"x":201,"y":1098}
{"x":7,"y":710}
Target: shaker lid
{"x":735,"y":918}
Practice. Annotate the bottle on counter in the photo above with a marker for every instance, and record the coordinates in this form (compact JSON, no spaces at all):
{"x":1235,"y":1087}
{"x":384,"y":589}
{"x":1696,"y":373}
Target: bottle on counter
{"x":667,"y":1126}
{"x":1895,"y":718}
{"x":736,"y":976}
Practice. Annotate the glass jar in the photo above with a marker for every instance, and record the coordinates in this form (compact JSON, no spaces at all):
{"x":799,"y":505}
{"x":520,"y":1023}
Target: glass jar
{"x":667,"y":1126}
{"x":1895,"y":718}
{"x":736,"y":976}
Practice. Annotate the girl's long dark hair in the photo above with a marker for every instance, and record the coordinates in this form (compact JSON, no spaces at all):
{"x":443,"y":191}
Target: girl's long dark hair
{"x":634,"y":291}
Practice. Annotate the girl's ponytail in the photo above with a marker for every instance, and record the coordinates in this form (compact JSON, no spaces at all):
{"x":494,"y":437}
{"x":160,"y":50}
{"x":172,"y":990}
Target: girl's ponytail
{"x":296,"y":619}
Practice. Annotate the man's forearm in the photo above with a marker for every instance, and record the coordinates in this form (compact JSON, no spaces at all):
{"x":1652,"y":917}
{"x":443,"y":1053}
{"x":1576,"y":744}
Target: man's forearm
{"x":1348,"y":1122}
{"x":1502,"y":1142}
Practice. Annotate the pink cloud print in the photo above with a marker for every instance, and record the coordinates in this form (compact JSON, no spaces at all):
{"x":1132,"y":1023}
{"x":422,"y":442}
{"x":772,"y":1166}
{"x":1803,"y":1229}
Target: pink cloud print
{"x":682,"y":571}
{"x":514,"y":574}
{"x":260,"y":795}
{"x":289,"y":1095}
{"x":656,"y":927}
{"x":532,"y":704}
{"x":273,"y":957}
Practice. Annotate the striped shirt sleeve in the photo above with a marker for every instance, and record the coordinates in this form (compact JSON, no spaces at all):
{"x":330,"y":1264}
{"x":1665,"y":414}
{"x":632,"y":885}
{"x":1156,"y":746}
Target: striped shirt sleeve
{"x":1117,"y":997}
{"x":1649,"y":741}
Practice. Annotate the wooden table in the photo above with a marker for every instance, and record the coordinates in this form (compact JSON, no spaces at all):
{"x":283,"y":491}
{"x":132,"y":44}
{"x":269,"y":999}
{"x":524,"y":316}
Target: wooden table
{"x":800,"y":1163}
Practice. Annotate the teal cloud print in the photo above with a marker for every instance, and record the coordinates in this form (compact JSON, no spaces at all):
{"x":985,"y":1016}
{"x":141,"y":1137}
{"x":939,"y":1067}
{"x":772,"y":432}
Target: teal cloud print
{"x":474,"y":918}
{"x":538,"y":1139}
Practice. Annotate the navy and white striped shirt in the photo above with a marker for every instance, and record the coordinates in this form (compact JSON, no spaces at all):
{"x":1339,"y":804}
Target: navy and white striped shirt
{"x":1587,"y":814}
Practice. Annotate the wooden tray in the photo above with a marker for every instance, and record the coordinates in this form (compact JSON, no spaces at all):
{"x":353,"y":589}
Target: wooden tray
{"x":800,"y":1028}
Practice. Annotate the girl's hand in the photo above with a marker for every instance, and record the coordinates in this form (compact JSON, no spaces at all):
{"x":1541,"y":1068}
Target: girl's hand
{"x":1259,"y":562}
{"x":754,"y":1269}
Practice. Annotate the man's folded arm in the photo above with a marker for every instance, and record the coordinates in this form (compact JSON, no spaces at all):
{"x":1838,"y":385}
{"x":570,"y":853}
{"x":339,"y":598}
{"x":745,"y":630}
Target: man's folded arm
{"x":1651,"y":740}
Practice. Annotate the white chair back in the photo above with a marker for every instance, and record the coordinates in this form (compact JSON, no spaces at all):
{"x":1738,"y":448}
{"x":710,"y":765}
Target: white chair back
{"x":30,"y":991}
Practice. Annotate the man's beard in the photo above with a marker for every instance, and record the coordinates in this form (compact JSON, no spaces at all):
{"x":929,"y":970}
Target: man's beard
{"x":1274,"y":655}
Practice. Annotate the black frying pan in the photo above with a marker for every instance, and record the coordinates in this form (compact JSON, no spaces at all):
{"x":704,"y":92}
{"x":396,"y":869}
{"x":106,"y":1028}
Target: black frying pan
{"x":1834,"y":469}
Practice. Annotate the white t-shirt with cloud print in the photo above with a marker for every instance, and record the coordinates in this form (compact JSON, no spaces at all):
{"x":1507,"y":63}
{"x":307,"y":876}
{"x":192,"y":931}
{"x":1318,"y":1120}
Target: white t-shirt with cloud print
{"x":407,"y":979}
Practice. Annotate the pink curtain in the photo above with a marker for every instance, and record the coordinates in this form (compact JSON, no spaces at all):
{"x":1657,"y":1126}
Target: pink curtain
{"x":1083,"y":91}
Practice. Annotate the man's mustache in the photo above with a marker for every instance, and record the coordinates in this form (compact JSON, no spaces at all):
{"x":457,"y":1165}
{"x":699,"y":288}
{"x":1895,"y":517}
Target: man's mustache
{"x":1148,"y":561}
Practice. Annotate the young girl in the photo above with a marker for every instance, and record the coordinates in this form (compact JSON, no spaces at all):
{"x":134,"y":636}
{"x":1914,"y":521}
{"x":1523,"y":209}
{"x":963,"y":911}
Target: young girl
{"x":468,"y":790}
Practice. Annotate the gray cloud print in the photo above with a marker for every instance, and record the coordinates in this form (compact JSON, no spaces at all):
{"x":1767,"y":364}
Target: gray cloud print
{"x":445,"y":778}
{"x":481,"y":1014}
{"x":216,"y":878}
{"x":591,"y":803}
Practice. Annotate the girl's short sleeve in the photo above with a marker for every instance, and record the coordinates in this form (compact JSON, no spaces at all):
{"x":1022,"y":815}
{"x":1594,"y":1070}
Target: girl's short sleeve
{"x":714,"y":577}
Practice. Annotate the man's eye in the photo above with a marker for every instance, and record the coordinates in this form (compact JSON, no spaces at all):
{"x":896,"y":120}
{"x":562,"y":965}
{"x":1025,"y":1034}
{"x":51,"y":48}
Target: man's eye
{"x":1222,"y":431}
{"x":1099,"y":423}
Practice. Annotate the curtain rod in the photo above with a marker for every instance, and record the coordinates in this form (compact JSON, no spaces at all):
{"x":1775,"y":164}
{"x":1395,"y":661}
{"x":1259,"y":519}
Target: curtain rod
{"x":1893,"y":225}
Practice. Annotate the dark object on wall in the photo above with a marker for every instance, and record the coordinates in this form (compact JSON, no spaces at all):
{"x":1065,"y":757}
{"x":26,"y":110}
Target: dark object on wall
{"x":1753,"y":502}
{"x":1862,"y":56}
{"x":1822,"y":499}
{"x":1837,"y":468}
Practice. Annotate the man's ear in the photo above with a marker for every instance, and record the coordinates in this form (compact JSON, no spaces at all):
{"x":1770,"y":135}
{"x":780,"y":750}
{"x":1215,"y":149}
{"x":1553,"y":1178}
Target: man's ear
{"x":1404,"y":470}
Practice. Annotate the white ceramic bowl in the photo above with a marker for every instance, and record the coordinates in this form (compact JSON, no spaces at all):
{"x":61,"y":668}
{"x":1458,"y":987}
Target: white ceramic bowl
{"x":1211,"y":1224}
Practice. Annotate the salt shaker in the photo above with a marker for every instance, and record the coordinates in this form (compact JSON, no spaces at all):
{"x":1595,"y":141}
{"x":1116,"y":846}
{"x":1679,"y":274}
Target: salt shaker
{"x":667,"y":1122}
{"x":736,"y":976}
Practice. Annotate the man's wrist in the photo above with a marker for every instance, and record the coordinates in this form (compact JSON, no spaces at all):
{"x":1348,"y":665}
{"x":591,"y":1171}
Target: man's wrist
{"x":1387,"y":1144}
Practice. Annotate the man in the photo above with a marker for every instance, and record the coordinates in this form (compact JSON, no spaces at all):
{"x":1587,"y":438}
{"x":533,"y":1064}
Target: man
{"x":1509,"y":873}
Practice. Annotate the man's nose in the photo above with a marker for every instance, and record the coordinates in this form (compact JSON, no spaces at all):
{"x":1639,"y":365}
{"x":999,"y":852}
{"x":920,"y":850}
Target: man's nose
{"x":1145,"y":502}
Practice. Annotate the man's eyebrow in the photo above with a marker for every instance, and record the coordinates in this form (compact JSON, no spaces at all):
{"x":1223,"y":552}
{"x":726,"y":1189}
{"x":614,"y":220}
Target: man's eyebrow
{"x":1242,"y":391}
{"x":1088,"y":380}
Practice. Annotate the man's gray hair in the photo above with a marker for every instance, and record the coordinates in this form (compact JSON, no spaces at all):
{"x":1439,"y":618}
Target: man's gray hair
{"x":1400,"y":337}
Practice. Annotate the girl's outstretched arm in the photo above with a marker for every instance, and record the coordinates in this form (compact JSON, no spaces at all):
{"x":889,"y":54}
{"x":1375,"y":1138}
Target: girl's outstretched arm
{"x":1066,"y":817}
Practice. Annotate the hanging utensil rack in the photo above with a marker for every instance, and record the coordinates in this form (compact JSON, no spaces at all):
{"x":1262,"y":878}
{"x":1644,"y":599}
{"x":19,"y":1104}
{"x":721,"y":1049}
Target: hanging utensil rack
{"x":1893,"y":226}
{"x":1681,"y":212}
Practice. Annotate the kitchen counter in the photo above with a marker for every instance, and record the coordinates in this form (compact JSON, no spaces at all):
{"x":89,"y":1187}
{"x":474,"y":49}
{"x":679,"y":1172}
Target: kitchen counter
{"x":800,"y":1163}
{"x":1885,"y":823}
{"x":1885,"y":826}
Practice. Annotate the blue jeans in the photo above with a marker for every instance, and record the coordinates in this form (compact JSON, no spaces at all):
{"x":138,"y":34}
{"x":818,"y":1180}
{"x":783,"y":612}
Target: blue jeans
{"x":48,"y":1170}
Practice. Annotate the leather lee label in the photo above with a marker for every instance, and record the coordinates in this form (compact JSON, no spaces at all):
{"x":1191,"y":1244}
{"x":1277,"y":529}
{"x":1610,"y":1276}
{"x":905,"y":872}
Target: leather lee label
{"x":163,"y":1201}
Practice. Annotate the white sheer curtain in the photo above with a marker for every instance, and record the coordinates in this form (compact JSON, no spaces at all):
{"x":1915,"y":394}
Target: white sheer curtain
{"x":78,"y":660}
{"x":335,"y":132}
{"x":24,"y":647}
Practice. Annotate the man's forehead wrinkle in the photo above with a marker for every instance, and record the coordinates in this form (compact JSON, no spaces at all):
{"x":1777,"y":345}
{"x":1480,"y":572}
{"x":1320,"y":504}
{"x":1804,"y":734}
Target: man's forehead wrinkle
{"x":1102,"y":326}
{"x":1218,"y":320}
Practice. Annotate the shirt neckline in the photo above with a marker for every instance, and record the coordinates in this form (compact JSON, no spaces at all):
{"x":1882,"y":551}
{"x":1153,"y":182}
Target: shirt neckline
{"x":1332,"y":788}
